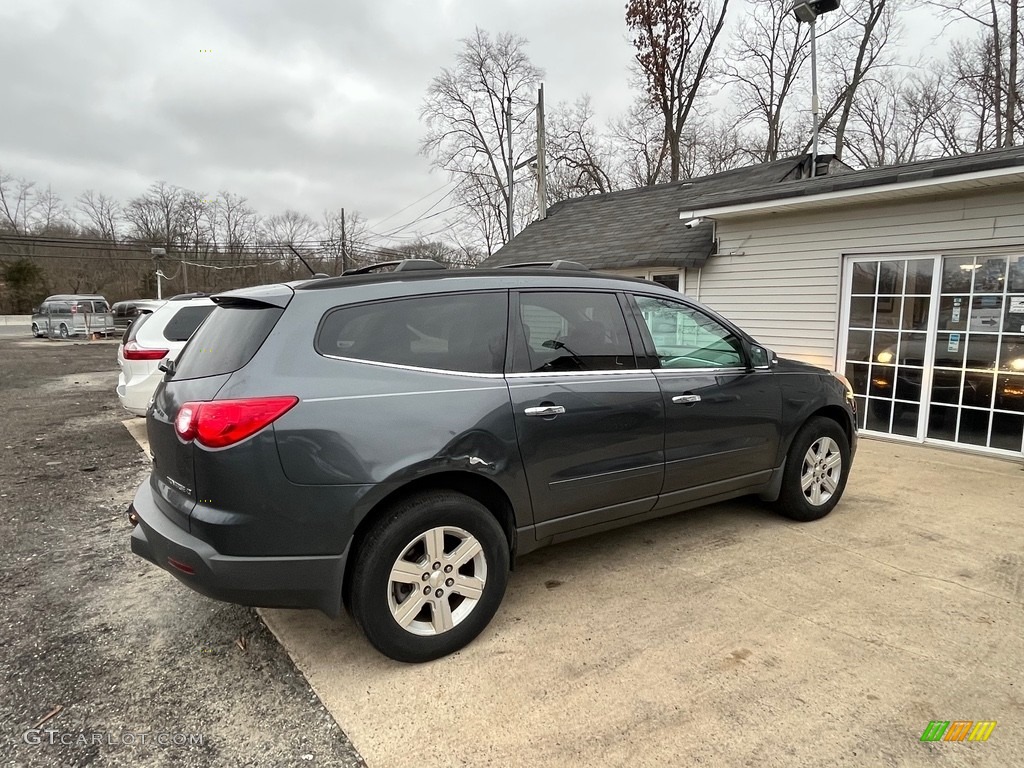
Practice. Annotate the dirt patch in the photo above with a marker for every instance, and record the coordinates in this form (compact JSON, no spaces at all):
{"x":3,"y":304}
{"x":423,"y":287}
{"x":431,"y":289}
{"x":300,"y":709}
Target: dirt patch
{"x":132,"y":667}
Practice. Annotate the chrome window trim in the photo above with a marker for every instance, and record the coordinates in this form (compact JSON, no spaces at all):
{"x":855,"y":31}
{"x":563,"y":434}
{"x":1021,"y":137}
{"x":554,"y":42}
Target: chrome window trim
{"x":680,"y":371}
{"x":417,"y":369}
{"x":577,"y":374}
{"x":375,"y":395}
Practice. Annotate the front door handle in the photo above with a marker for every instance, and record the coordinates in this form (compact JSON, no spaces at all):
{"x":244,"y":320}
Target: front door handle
{"x":686,"y":399}
{"x":545,"y":410}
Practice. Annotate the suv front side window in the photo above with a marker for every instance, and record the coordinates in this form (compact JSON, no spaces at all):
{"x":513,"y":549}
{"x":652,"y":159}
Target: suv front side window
{"x":685,"y":337}
{"x":448,"y":332}
{"x":573,"y":331}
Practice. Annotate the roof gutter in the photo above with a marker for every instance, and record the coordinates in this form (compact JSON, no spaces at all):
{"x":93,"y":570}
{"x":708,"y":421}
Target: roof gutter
{"x":878,"y":192}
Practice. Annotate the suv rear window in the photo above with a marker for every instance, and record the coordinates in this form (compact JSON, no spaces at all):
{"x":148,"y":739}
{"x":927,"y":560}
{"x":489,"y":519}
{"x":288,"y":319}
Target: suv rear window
{"x":227,"y":341}
{"x":449,"y":332}
{"x":185,"y":321}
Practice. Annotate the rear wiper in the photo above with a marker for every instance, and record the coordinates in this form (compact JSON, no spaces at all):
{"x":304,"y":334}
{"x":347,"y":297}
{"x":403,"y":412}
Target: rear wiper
{"x":167,"y":366}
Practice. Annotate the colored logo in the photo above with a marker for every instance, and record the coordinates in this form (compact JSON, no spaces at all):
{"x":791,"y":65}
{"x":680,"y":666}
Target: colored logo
{"x":958,"y":730}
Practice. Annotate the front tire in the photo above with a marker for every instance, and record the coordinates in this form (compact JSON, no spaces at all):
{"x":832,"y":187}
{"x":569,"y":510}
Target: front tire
{"x":35,"y":331}
{"x":429,"y":576}
{"x":817,"y":467}
{"x":64,"y":331}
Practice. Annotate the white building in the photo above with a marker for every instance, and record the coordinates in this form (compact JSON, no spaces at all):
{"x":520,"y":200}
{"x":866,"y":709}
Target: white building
{"x":908,"y":279}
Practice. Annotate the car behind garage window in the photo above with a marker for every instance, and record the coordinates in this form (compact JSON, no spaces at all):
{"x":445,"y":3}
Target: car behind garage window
{"x":449,"y":332}
{"x":185,"y":321}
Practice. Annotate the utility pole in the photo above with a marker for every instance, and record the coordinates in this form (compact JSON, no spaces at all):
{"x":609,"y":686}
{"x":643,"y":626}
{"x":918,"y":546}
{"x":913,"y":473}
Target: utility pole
{"x":184,"y":272}
{"x":344,"y":260}
{"x":510,"y":167}
{"x":542,"y":165}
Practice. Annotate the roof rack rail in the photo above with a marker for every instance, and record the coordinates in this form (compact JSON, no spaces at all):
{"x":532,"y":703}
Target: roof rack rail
{"x":404,"y":265}
{"x":562,"y":264}
{"x":187,"y":296}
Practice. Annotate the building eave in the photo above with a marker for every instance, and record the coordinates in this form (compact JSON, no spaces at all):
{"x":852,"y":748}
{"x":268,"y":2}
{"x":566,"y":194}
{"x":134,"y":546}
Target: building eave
{"x":900,"y":190}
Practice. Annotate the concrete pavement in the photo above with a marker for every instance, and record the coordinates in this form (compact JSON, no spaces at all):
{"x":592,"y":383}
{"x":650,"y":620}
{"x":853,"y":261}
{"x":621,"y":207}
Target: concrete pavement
{"x":725,"y":636}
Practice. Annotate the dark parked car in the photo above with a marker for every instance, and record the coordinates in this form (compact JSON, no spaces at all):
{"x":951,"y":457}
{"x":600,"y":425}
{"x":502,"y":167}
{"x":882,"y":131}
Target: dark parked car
{"x":390,"y":442}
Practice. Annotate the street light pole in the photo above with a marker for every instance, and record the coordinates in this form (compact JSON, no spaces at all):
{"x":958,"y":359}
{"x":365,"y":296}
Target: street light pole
{"x":157,"y":254}
{"x":808,"y":12}
{"x":814,"y":95}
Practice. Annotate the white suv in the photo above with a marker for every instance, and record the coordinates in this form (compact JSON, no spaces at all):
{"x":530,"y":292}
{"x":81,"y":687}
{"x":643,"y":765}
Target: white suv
{"x":150,"y":340}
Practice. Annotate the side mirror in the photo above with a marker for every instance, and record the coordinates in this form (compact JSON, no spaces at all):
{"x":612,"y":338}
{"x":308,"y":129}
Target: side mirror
{"x":762,"y":357}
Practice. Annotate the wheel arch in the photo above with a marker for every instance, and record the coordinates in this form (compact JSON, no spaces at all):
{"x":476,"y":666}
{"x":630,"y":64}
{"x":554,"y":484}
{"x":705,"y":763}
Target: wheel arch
{"x":477,"y":487}
{"x":831,"y":412}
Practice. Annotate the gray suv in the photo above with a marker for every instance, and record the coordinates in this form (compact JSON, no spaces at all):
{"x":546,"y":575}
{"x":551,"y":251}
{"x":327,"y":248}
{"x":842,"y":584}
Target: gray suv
{"x":390,"y":441}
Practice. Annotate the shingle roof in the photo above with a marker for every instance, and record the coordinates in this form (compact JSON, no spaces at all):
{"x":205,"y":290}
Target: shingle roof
{"x":870,"y":177}
{"x":635,"y":227}
{"x":641,"y":227}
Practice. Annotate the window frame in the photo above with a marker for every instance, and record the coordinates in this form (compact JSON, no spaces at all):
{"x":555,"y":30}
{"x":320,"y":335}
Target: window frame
{"x":651,"y":349}
{"x":410,"y":297}
{"x":518,"y":350}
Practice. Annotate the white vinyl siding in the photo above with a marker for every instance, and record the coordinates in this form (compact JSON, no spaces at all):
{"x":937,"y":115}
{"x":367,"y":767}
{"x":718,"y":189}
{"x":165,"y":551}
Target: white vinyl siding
{"x":778,"y":275}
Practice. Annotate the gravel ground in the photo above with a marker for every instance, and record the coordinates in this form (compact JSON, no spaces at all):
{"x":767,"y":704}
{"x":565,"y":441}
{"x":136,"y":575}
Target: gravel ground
{"x":131,"y":667}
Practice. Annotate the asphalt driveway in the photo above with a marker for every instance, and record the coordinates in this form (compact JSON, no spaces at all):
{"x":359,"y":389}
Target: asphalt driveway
{"x":726,"y":637}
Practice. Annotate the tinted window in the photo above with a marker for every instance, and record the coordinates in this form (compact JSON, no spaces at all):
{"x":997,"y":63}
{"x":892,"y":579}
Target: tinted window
{"x":185,"y":322}
{"x":460,"y":332}
{"x":133,"y":328}
{"x":573,"y":332}
{"x":685,"y":337}
{"x":227,"y":341}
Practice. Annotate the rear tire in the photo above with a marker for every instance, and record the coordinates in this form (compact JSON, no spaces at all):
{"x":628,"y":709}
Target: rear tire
{"x":64,"y":331}
{"x":429,"y":576}
{"x":817,"y":467}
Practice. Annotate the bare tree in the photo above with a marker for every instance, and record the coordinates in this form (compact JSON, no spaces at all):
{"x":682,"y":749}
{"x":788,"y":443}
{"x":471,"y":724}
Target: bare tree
{"x":890,"y":120}
{"x":467,"y":136}
{"x":102,"y":214}
{"x":19,"y":202}
{"x":859,"y":47}
{"x":675,"y":41}
{"x":995,"y":81}
{"x":234,"y":223}
{"x":638,"y":138}
{"x":155,"y":216}
{"x":766,"y":58}
{"x":580,"y":156}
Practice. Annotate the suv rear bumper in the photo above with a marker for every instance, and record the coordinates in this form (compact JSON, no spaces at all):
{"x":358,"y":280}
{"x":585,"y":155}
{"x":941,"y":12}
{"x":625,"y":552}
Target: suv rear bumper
{"x":269,"y":582}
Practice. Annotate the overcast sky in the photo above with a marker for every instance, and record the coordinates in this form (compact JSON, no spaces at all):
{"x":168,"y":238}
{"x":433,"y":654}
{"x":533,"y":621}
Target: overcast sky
{"x":308,"y":104}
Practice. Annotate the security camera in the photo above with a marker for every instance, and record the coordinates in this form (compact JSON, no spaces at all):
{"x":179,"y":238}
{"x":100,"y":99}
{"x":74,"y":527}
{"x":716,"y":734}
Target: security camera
{"x":692,"y":223}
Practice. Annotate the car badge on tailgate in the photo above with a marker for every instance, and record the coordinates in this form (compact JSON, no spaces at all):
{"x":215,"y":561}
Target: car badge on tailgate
{"x":179,"y":486}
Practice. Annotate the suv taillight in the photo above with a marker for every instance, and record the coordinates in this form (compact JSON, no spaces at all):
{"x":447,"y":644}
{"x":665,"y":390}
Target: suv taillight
{"x":220,"y":423}
{"x":132,"y":351}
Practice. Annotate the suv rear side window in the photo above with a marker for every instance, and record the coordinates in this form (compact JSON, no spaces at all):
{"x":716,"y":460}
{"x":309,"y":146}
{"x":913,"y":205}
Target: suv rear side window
{"x":448,"y":332}
{"x":185,"y":321}
{"x":573,"y":331}
{"x":227,"y":341}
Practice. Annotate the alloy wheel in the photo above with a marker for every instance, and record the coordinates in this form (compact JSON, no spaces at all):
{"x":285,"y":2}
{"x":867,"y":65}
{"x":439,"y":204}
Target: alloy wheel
{"x":821,"y":471}
{"x":437,"y":581}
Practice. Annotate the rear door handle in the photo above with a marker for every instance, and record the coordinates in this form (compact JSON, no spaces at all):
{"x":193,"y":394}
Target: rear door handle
{"x":545,"y":410}
{"x":686,"y":399}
